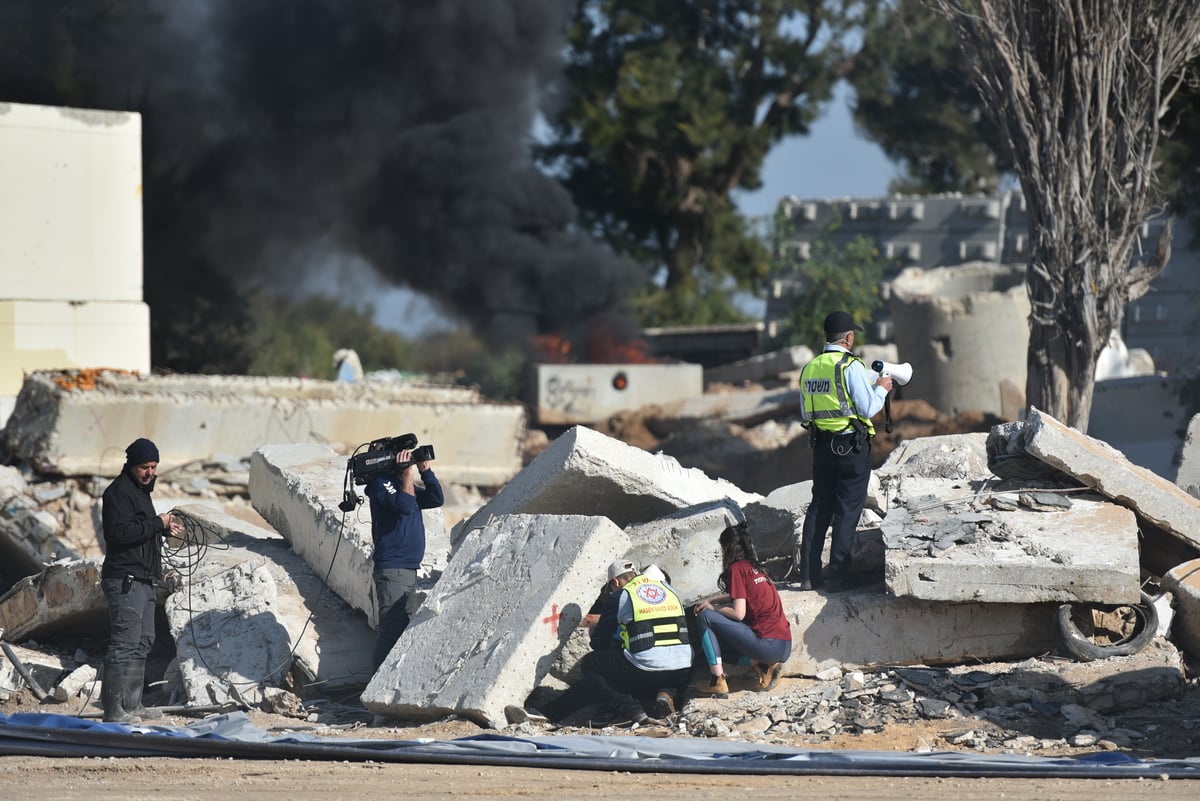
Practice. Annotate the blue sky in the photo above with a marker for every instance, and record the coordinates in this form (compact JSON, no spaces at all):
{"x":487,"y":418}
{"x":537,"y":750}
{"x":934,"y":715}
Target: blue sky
{"x":832,"y":162}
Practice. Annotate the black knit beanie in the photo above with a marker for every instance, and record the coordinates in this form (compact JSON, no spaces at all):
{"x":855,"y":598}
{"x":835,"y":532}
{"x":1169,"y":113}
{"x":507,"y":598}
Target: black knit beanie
{"x":140,"y":451}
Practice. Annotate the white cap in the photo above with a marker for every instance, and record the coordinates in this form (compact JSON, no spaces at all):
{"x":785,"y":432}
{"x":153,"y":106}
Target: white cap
{"x":620,"y":568}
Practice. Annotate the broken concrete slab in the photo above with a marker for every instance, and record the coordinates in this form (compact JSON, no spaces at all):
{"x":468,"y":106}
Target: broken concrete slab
{"x":584,"y":472}
{"x":30,"y":537}
{"x":956,"y":548}
{"x":65,"y":596}
{"x":59,"y":428}
{"x":1188,"y":477}
{"x":297,"y":489}
{"x":229,"y":641}
{"x":777,"y":525}
{"x":760,"y":368}
{"x":1106,"y":470}
{"x":869,"y":628}
{"x":488,"y":633}
{"x":79,"y":682}
{"x":252,"y":610}
{"x":685,"y":544}
{"x":43,"y":668}
{"x":1183,"y":582}
{"x":745,"y":408}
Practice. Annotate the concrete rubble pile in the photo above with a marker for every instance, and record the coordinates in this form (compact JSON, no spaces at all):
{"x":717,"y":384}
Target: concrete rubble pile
{"x":971,"y":546}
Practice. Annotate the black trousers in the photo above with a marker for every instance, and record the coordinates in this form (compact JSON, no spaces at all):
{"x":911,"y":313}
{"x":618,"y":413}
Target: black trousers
{"x":610,"y":678}
{"x":840,"y":477}
{"x":130,"y":619}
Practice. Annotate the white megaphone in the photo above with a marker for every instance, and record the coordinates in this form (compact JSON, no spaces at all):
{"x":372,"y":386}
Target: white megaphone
{"x":900,"y":373}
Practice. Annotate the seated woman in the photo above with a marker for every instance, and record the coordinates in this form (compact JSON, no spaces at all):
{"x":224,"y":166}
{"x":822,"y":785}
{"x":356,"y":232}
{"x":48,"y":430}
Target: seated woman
{"x":746,"y":621}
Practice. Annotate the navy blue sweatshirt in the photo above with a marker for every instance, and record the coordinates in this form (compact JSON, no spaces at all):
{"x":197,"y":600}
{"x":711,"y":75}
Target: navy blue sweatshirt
{"x":397,"y":527}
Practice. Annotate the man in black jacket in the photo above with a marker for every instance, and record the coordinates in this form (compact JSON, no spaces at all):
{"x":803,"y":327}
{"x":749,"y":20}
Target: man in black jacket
{"x":132,"y":564}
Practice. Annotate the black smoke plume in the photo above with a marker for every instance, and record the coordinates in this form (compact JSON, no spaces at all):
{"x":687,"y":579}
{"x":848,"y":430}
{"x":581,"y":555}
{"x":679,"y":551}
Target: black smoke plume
{"x":280,"y":136}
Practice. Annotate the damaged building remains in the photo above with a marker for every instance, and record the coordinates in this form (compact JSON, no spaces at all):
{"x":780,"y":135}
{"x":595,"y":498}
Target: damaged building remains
{"x":1000,"y":547}
{"x":1009,"y":567}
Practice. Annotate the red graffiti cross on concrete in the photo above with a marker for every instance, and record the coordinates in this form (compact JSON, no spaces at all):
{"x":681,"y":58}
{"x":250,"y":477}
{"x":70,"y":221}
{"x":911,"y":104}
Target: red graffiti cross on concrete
{"x":553,"y":619}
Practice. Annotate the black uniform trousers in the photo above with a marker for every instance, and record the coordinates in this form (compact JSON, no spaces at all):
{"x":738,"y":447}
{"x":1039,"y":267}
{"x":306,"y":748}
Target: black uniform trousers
{"x":840,"y":477}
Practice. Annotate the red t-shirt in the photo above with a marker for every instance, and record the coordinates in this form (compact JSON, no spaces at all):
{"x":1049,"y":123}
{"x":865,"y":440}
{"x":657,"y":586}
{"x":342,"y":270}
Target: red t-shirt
{"x":764,"y":610}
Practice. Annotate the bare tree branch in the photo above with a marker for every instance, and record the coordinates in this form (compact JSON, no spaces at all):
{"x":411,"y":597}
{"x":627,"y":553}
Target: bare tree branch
{"x":1080,"y":88}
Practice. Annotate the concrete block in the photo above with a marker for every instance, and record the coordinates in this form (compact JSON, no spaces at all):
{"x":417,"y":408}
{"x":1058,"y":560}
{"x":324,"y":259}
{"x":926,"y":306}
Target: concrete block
{"x":744,"y":408}
{"x":513,"y":593}
{"x":71,"y":203}
{"x":868,"y":628}
{"x":584,"y":472}
{"x":1106,"y":470}
{"x":228,"y":638}
{"x":761,"y":367}
{"x":80,"y":681}
{"x":1188,"y":477}
{"x":685,"y":545}
{"x":297,"y":489}
{"x":950,"y":549}
{"x":1154,"y":401}
{"x":569,"y":394}
{"x":85,"y":431}
{"x":1183,"y":582}
{"x":64,"y":596}
{"x":252,"y":610}
{"x":70,"y":335}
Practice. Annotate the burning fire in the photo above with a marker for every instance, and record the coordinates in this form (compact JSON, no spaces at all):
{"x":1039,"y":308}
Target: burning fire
{"x":602,"y":347}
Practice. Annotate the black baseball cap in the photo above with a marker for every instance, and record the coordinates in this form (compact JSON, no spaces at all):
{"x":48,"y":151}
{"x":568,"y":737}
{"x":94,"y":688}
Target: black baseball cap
{"x":839,"y":322}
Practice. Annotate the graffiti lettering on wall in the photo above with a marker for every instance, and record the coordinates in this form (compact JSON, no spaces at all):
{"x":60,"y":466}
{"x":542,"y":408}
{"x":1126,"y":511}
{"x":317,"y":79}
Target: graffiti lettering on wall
{"x":566,"y":396}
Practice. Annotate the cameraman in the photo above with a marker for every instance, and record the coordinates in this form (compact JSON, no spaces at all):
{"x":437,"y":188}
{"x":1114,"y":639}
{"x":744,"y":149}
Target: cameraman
{"x":398,"y":533}
{"x":837,"y":402}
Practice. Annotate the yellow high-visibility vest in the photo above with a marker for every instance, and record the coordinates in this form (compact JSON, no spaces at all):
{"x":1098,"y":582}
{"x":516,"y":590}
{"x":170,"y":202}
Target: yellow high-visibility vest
{"x":658,"y":617}
{"x":824,"y":400}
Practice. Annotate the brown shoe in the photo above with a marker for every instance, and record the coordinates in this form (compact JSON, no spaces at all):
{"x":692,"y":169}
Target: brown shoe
{"x":768,"y":675}
{"x":716,"y":687}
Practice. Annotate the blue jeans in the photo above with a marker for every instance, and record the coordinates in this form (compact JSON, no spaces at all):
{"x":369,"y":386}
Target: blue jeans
{"x":718,"y":631}
{"x":395,"y":591}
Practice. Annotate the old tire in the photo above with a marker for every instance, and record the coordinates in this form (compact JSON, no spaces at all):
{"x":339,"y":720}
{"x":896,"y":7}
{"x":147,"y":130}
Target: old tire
{"x":1078,"y":645}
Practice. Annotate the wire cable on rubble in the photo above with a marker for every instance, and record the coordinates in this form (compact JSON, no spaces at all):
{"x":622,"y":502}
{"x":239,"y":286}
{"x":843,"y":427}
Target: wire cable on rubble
{"x":185,"y":556}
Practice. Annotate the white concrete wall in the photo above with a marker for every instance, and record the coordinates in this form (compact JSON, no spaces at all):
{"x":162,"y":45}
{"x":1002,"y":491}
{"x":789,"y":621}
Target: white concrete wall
{"x":587,"y":393}
{"x":70,"y":241}
{"x":56,"y":335}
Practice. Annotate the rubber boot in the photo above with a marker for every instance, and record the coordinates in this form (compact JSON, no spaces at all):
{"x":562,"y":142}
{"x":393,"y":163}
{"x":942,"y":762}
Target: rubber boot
{"x":136,"y":681}
{"x":113,"y":686}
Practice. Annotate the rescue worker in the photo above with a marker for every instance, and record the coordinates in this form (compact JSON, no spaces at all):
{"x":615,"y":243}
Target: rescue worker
{"x":640,"y":651}
{"x":838,"y":399}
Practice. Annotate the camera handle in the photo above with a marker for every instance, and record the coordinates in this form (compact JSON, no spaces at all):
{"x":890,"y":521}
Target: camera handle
{"x":349,"y":501}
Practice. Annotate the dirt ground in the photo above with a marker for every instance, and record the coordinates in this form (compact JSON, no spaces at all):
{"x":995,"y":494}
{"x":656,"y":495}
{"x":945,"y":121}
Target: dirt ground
{"x":1172,"y":729}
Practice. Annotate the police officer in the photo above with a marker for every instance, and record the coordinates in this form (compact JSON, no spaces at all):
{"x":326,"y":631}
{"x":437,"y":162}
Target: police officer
{"x":838,"y":400}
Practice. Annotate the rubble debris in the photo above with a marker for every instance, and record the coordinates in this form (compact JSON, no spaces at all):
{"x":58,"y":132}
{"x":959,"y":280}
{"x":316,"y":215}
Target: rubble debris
{"x":1106,"y":470}
{"x":1188,"y":477}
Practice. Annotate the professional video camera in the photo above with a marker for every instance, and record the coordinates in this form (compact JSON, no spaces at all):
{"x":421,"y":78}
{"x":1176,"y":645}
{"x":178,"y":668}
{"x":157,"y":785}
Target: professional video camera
{"x":380,"y":457}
